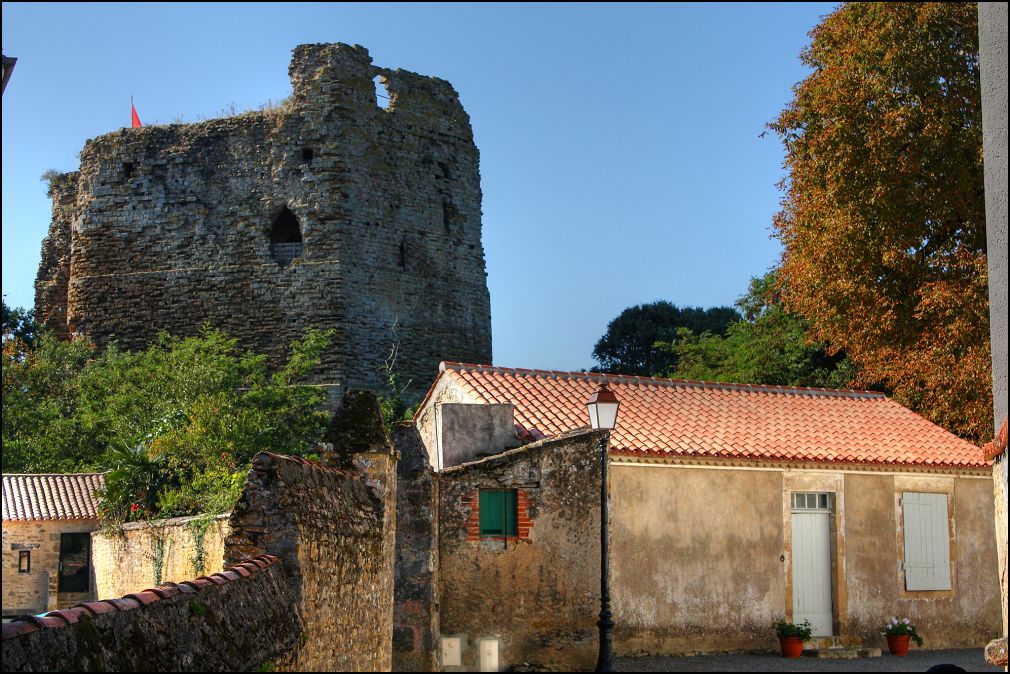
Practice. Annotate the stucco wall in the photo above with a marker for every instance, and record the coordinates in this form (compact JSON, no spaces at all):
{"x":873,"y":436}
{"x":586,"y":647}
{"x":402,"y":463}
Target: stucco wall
{"x":468,"y":432}
{"x":446,"y":391}
{"x":965,"y":617}
{"x":701,"y":557}
{"x":140,"y":555}
{"x":537,"y":594}
{"x":36,"y":592}
{"x":695,"y":559}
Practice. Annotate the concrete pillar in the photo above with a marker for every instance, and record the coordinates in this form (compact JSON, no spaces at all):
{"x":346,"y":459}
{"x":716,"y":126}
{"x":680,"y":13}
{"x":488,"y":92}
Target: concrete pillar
{"x":992,"y":21}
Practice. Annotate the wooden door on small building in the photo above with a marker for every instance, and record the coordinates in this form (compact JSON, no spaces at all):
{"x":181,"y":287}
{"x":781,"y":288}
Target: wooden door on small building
{"x":811,"y":559}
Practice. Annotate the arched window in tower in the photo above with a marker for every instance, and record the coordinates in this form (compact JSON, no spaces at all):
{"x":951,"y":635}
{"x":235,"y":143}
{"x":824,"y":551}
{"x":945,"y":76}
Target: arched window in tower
{"x":285,"y":238}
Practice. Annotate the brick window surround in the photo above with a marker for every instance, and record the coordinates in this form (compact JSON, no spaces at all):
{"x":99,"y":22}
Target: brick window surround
{"x":523,"y":521}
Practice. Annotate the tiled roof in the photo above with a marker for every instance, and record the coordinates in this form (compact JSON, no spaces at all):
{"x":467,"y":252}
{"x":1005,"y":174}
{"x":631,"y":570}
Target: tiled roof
{"x":671,"y":417}
{"x":69,"y":496}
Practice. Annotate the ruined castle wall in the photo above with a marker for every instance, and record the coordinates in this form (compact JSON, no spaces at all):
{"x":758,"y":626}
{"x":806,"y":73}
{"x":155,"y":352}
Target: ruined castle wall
{"x":239,"y":620}
{"x":335,"y":536}
{"x":54,"y":270}
{"x":172,"y":226}
{"x":139,"y":555}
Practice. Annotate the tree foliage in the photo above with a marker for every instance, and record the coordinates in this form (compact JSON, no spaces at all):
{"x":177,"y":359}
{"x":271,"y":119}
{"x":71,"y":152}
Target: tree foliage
{"x":630,"y":344}
{"x":769,"y":346}
{"x":883,"y":220}
{"x":20,"y":324}
{"x":176,"y":425}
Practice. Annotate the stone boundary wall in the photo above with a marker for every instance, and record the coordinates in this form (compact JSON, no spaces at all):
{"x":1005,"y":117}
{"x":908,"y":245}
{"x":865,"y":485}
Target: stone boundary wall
{"x":415,"y":608}
{"x":142,"y":554}
{"x":238,"y":620}
{"x":333,"y":529}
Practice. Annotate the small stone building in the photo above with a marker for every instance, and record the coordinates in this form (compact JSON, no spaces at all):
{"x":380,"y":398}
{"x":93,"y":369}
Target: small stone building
{"x":735,"y":505}
{"x":47,"y":525}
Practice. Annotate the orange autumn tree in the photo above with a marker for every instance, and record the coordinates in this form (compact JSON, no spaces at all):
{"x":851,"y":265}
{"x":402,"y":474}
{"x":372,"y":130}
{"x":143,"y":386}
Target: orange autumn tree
{"x":883,"y":219}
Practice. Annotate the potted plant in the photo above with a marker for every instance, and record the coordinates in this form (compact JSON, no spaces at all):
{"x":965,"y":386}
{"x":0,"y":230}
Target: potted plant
{"x":791,"y":637}
{"x":899,"y":633}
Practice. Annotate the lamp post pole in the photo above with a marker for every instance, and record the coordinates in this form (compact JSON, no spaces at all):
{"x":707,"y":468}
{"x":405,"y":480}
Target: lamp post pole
{"x":603,"y":406}
{"x":605,"y":661}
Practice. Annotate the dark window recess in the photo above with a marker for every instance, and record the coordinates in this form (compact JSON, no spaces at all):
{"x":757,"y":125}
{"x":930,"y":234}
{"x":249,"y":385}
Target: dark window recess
{"x":24,"y":561}
{"x":449,"y":216}
{"x":127,"y":169}
{"x":402,"y":256}
{"x":498,"y":512}
{"x":307,"y":155}
{"x":75,"y":563}
{"x":285,"y":238}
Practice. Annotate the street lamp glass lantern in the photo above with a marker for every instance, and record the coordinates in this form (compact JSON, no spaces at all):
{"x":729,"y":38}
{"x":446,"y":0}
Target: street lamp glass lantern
{"x":603,"y":409}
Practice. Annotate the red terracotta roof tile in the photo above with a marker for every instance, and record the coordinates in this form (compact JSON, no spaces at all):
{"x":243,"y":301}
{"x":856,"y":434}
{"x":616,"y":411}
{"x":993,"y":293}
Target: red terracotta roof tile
{"x":165,"y":591}
{"x":29,"y":498}
{"x":197,"y":583}
{"x":126,"y":603}
{"x":18,"y":628}
{"x":672,"y":417}
{"x":146,"y":597}
{"x":97,"y":607}
{"x":71,"y":615}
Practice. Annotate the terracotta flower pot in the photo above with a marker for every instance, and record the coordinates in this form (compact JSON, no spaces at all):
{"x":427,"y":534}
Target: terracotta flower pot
{"x":898,"y":644}
{"x":792,"y":647}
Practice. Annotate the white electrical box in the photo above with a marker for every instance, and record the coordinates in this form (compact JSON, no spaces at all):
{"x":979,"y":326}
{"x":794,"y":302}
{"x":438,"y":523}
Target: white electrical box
{"x":488,"y":655}
{"x":451,"y":651}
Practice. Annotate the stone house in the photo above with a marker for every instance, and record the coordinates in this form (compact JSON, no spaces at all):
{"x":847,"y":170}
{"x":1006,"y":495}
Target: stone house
{"x":735,"y":505}
{"x":47,"y":525}
{"x":498,"y":558}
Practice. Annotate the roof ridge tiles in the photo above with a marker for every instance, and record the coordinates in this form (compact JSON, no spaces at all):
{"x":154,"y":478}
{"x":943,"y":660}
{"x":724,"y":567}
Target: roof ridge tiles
{"x":661,"y":381}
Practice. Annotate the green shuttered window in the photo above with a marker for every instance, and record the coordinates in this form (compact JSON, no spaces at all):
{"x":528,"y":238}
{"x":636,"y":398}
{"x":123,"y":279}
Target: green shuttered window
{"x":498,"y":512}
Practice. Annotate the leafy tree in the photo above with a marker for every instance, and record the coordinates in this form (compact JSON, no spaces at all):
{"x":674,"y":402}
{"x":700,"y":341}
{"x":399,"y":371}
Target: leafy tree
{"x":20,"y":324}
{"x":883,"y":218}
{"x":629,"y":345}
{"x":184,"y":418}
{"x":175,"y":425}
{"x":41,"y":395}
{"x":769,"y":346}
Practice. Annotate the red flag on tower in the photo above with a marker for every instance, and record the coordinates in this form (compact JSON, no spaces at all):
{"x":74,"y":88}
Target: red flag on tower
{"x":133,"y":111}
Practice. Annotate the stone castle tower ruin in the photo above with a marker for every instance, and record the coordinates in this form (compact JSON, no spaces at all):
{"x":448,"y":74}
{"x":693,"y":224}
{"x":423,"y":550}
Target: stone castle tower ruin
{"x":334,"y":210}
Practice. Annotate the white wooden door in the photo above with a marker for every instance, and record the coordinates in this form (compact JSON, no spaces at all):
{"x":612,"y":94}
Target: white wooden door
{"x":812,"y":562}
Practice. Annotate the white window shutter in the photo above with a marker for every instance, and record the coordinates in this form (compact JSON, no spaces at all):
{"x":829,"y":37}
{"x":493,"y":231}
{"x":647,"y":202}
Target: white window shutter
{"x":927,"y":544}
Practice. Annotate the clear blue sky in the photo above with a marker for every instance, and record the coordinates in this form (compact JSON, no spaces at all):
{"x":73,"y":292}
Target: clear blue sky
{"x":621,"y":161}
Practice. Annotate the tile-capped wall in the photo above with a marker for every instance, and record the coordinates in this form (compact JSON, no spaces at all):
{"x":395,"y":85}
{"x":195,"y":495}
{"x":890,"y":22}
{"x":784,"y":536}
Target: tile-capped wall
{"x":238,"y":620}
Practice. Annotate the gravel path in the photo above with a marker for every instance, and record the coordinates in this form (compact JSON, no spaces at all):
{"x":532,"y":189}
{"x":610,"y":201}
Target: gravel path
{"x":970,"y":660}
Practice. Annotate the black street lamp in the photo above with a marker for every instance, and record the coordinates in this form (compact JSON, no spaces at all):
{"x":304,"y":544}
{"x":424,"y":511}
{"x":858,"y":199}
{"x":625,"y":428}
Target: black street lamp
{"x":603,"y":415}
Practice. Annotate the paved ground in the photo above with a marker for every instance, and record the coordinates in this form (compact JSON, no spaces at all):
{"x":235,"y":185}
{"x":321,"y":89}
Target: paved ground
{"x":970,"y":660}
